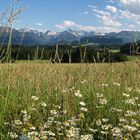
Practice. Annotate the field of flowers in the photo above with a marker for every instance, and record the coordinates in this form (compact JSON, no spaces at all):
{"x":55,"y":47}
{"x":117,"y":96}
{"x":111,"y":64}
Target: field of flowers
{"x":40,"y":101}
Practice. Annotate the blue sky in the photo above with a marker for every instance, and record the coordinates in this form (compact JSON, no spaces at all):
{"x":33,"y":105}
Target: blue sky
{"x":90,"y":15}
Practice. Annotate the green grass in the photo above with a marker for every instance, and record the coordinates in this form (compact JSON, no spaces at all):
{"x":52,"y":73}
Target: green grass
{"x":115,"y":51}
{"x":104,"y":89}
{"x":133,"y":58}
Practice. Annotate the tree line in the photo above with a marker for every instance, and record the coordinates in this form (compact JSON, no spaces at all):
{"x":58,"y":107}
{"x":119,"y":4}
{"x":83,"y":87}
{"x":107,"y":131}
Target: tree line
{"x":63,"y":54}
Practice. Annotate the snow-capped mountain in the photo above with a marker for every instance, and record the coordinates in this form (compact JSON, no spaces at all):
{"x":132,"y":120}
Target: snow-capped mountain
{"x":51,"y":33}
{"x":33,"y":37}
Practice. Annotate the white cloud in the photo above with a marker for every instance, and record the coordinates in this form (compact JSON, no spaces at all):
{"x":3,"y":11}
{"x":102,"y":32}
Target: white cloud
{"x":132,"y":5}
{"x":66,"y":24}
{"x":111,"y":8}
{"x":116,"y":18}
{"x":100,"y":29}
{"x":135,"y":19}
{"x":125,"y":15}
{"x":111,"y":1}
{"x":109,"y":21}
{"x":104,"y":29}
{"x":106,"y":18}
{"x":101,"y":12}
{"x":130,"y":26}
{"x":86,"y":12}
{"x":92,"y":6}
{"x":39,"y":24}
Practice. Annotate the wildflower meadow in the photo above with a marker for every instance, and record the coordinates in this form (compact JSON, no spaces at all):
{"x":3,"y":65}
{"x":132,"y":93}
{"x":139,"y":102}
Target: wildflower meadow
{"x":40,"y":101}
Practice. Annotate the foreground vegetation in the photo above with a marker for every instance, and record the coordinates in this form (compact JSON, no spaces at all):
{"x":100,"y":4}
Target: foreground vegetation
{"x":71,"y":102}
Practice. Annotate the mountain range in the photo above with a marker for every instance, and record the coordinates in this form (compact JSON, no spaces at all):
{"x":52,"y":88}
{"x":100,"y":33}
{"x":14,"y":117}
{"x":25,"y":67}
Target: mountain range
{"x":33,"y":37}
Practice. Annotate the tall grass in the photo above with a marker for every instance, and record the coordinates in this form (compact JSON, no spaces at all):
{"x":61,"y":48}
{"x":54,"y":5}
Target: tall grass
{"x":7,"y":20}
{"x":75,"y":101}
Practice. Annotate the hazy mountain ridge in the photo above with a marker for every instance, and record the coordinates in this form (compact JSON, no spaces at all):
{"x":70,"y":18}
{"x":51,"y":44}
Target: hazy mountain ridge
{"x":33,"y":37}
{"x":127,"y":36}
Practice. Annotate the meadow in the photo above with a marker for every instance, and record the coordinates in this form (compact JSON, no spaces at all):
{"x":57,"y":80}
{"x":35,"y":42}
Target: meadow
{"x":42,"y":101}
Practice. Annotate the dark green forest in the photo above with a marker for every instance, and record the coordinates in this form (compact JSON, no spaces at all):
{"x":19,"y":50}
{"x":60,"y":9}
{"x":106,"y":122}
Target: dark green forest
{"x":65,"y":53}
{"x":131,"y":48}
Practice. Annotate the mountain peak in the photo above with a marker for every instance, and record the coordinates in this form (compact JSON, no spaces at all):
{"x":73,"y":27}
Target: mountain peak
{"x":35,"y":37}
{"x":51,"y":33}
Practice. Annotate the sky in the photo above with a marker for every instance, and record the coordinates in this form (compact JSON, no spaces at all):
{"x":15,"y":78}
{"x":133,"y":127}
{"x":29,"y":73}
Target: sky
{"x":90,"y":15}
